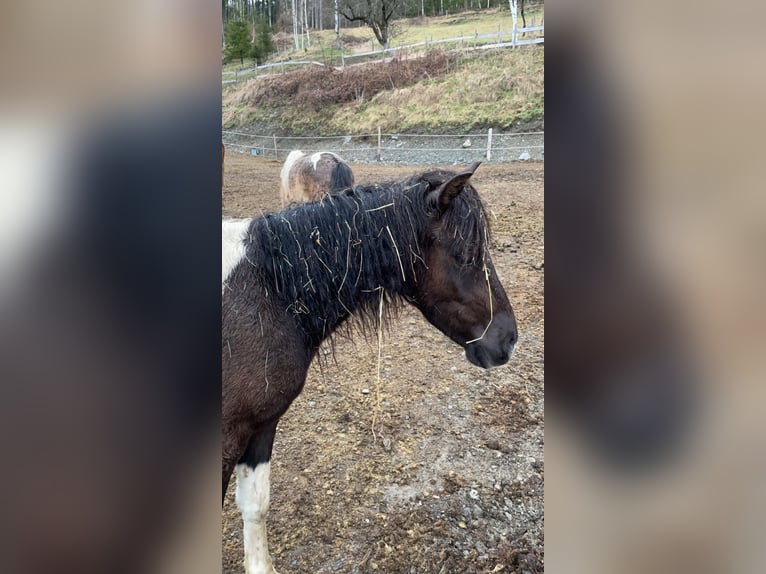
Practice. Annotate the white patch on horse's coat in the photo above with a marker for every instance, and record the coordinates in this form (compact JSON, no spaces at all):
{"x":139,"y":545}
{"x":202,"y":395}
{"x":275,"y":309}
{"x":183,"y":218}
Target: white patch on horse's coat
{"x":252,"y":498}
{"x":284,"y":174}
{"x":292,"y":157}
{"x":233,"y":233}
{"x":315,"y":159}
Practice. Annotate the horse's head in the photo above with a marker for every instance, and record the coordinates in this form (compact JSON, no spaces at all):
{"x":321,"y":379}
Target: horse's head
{"x":457,"y":289}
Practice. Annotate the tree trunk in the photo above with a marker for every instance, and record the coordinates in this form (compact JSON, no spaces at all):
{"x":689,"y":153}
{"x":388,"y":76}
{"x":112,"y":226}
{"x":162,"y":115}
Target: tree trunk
{"x":337,"y":26}
{"x":514,"y":3}
{"x":306,"y":24}
{"x":295,"y":23}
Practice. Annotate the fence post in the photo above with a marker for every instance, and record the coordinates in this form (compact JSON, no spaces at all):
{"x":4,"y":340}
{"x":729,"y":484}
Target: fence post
{"x":489,"y":144}
{"x":379,"y":143}
{"x":499,"y":37}
{"x":275,"y":145}
{"x":514,"y":33}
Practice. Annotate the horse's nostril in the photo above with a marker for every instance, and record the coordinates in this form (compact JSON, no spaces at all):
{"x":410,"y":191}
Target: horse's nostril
{"x":511,"y":347}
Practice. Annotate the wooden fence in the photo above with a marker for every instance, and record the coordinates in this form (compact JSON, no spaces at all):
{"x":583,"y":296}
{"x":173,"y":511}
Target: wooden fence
{"x":503,"y":39}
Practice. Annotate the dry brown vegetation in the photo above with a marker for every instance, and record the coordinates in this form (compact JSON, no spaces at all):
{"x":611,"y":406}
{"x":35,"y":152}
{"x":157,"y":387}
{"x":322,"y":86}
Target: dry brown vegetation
{"x":437,"y":91}
{"x":315,"y":88}
{"x":351,"y":40}
{"x":487,"y":89}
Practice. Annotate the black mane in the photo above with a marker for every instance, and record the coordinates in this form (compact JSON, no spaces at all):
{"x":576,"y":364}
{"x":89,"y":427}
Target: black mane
{"x":327,"y":260}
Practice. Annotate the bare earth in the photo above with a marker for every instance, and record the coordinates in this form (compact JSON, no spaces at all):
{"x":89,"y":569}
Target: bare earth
{"x":452,"y":481}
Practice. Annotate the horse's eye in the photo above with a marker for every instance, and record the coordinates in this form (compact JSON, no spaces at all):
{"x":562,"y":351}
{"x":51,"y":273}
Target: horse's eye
{"x":463,"y":259}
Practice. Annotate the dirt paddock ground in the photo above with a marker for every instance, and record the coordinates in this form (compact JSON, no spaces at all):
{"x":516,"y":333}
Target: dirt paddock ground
{"x":453,"y":483}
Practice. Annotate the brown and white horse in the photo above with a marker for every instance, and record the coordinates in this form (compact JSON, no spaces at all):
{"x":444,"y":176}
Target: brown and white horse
{"x":291,"y":279}
{"x":310,"y":177}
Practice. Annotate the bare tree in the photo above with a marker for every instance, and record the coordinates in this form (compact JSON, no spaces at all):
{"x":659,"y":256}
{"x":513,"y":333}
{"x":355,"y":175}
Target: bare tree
{"x":306,"y":24}
{"x":337,"y":24}
{"x":295,"y":24}
{"x":513,"y":4}
{"x":377,"y":14}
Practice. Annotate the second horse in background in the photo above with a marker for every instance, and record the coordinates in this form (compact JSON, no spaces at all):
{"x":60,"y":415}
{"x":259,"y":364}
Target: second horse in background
{"x":306,"y":178}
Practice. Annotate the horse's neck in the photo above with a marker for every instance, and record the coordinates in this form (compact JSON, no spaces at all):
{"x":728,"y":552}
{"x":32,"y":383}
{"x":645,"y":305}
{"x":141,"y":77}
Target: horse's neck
{"x":383,"y":249}
{"x":345,"y":266}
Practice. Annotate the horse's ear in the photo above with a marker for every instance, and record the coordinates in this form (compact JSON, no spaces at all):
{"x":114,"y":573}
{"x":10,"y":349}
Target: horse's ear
{"x":451,"y":188}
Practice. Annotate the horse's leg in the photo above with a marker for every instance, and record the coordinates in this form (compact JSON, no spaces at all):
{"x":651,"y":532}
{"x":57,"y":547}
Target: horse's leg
{"x":253,"y":483}
{"x":228,"y":468}
{"x":233,"y":448}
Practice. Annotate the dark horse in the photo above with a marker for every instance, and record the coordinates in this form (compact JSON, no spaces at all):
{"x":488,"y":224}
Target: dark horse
{"x":291,"y":279}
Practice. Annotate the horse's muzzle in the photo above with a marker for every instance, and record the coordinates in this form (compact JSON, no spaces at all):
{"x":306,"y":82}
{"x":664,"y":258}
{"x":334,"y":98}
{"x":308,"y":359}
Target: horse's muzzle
{"x":496,"y":346}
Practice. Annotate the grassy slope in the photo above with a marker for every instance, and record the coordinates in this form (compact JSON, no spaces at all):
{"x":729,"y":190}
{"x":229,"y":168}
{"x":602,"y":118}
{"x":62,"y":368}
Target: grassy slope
{"x":490,"y":89}
{"x":484,"y":88}
{"x":463,"y":24}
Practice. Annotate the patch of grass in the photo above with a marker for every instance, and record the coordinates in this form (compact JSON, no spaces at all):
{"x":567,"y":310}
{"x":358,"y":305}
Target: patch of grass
{"x":470,"y":90}
{"x":487,"y":89}
{"x":462,"y":24}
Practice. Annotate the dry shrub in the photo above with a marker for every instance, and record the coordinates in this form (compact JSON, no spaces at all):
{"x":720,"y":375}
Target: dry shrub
{"x":316,"y":88}
{"x":351,"y":40}
{"x":283,"y":40}
{"x":284,"y":24}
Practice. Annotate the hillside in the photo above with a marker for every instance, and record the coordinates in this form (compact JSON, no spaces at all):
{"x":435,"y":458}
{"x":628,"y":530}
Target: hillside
{"x":431,"y":92}
{"x":408,"y":31}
